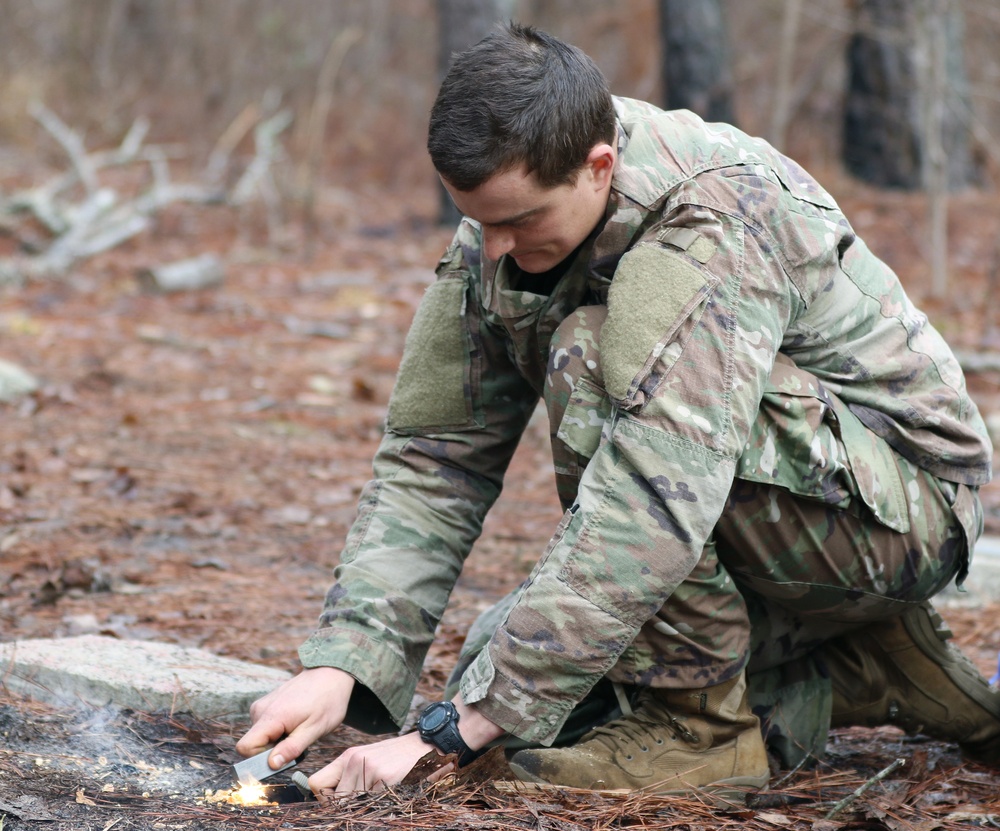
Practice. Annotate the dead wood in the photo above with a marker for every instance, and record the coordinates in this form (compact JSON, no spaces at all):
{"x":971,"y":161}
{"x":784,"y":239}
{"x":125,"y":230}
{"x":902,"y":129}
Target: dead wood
{"x":84,"y":215}
{"x":972,"y":362}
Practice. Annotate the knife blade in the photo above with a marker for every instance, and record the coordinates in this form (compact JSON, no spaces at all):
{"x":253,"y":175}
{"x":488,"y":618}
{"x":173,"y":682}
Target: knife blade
{"x":254,"y":770}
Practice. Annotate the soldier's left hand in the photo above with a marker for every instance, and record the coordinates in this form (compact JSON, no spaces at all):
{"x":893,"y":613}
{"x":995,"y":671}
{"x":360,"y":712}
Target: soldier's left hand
{"x":372,"y":766}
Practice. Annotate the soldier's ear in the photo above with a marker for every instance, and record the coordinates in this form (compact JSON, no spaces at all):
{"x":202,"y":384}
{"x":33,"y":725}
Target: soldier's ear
{"x":600,"y":165}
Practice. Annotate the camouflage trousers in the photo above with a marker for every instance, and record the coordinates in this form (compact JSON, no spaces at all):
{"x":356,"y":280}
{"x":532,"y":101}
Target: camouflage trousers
{"x":793,"y":560}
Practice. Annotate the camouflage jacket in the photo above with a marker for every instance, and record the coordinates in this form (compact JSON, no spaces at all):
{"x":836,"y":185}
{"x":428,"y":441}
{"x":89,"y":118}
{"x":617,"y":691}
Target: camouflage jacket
{"x":717,"y":252}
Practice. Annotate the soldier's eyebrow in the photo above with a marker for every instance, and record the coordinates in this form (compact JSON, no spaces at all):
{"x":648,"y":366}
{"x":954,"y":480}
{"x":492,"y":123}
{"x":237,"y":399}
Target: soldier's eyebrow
{"x":513,"y":220}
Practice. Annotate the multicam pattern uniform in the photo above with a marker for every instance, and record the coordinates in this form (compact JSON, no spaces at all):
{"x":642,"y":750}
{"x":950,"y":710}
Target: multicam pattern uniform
{"x":750,"y":340}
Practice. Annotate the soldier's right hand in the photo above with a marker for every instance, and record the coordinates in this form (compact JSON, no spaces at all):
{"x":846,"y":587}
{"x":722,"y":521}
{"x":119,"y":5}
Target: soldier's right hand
{"x":303,"y":709}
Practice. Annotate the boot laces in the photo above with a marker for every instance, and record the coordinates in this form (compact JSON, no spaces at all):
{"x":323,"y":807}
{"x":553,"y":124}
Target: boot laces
{"x":642,"y":730}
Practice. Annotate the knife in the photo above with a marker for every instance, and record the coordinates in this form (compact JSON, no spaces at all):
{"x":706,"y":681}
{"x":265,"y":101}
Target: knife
{"x":255,"y":770}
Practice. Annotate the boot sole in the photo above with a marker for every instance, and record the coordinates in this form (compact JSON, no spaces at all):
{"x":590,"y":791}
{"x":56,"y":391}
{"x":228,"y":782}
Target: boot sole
{"x":726,"y":792}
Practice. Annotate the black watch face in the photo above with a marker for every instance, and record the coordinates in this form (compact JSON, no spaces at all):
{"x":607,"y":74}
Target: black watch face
{"x":434,"y":718}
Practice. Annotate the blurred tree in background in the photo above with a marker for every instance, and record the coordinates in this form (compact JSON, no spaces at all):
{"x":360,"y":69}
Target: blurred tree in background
{"x":196,"y":67}
{"x":907,"y":94}
{"x":695,"y":57}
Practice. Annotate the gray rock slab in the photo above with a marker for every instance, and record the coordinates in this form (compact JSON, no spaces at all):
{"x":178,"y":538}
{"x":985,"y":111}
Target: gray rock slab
{"x":982,"y":586}
{"x":15,"y":381}
{"x":141,"y":675}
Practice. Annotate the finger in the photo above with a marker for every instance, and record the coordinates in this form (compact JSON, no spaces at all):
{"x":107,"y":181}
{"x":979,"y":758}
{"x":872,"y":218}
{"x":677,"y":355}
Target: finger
{"x":352,"y":773}
{"x":327,"y":778}
{"x":260,"y":736}
{"x":441,"y":772}
{"x":259,"y":706}
{"x":285,"y":751}
{"x":296,"y":742}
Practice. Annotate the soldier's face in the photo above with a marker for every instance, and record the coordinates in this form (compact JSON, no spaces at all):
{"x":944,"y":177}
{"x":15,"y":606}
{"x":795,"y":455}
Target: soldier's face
{"x":538,"y":227}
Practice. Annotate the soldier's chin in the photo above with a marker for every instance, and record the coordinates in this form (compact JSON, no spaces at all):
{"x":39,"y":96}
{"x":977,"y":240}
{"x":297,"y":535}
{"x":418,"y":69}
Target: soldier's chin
{"x":534,"y":263}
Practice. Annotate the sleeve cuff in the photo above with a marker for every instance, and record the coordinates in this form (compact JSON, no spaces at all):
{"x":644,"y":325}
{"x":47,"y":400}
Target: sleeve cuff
{"x":509,"y":706}
{"x":381,"y":700}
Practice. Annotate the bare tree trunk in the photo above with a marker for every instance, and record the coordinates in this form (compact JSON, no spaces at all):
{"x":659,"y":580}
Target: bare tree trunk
{"x":783,"y":82}
{"x":310,"y":169}
{"x":932,"y":49}
{"x":888,"y":95}
{"x":461,"y":24}
{"x":695,"y":58}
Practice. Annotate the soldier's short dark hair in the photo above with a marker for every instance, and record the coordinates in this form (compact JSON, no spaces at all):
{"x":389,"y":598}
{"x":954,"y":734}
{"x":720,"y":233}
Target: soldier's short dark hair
{"x":519,"y":95}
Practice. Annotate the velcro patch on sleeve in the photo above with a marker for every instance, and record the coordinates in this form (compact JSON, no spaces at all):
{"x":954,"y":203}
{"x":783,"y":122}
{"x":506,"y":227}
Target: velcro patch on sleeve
{"x":696,"y":245}
{"x":653,"y":291}
{"x":430,"y":391}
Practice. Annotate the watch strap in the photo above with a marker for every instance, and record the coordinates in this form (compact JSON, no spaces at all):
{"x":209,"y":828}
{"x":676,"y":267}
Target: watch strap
{"x":446,"y":738}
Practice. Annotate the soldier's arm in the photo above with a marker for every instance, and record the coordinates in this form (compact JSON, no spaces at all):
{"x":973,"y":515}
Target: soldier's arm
{"x":687,"y":348}
{"x":386,"y":763}
{"x":456,"y":415}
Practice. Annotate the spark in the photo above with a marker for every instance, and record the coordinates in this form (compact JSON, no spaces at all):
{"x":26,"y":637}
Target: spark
{"x":251,"y":794}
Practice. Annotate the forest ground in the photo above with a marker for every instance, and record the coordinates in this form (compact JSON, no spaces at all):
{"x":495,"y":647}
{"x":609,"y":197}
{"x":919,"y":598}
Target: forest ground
{"x":191,"y":462}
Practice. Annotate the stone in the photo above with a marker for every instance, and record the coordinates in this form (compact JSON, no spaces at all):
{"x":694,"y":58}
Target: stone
{"x":184,"y":275}
{"x":982,"y":586}
{"x":146,"y":676}
{"x":15,"y":382}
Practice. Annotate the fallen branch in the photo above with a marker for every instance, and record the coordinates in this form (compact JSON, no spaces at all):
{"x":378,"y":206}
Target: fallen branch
{"x":103,"y":218}
{"x":254,"y":178}
{"x":309,"y":169}
{"x":218,"y":160}
{"x":878,"y":777}
{"x":257,"y":177}
{"x":979,"y":361}
{"x":70,"y":142}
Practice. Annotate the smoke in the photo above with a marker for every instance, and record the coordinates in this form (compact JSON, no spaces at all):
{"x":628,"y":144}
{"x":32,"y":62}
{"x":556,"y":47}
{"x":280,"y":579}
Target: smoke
{"x":113,"y":750}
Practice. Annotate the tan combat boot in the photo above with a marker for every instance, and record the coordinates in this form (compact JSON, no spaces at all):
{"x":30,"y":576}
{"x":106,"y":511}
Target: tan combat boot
{"x":904,"y":672}
{"x":676,"y":741}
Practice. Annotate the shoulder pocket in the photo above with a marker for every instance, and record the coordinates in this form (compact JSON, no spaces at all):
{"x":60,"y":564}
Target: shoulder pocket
{"x":434,"y":387}
{"x":654,"y":292}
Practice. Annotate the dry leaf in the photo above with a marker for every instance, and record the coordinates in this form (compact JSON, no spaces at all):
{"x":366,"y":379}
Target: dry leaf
{"x":772,"y":818}
{"x":430,"y":762}
{"x":490,"y":767}
{"x":83,"y":799}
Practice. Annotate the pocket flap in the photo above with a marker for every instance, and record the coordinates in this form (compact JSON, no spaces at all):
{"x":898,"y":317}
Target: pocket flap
{"x":873,"y":465}
{"x":583,"y":420}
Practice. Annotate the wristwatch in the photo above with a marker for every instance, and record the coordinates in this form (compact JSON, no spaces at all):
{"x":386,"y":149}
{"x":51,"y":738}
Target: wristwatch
{"x":438,"y":725}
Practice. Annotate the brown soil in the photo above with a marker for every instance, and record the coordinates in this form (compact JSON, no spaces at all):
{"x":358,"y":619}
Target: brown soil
{"x":190,"y":466}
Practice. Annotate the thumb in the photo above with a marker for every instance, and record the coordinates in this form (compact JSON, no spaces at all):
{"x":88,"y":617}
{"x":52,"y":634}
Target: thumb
{"x":260,"y":736}
{"x":291,"y":746}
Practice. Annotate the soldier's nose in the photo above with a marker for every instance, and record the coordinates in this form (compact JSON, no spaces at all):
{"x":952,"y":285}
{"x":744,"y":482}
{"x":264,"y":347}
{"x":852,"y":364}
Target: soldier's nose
{"x":498,"y":243}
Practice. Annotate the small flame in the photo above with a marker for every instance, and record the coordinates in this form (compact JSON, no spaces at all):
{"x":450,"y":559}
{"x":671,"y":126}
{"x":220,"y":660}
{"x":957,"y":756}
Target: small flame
{"x":253,"y":794}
